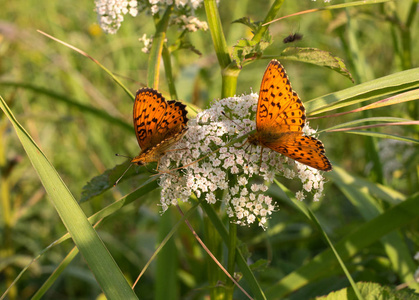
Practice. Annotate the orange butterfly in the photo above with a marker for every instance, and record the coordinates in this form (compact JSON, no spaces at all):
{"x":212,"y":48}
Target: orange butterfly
{"x":280,"y":118}
{"x":158,"y":125}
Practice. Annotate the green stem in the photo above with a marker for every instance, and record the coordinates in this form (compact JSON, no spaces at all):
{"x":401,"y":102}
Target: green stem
{"x":269,"y":17}
{"x":231,"y":256}
{"x":168,"y":71}
{"x":406,"y":36}
{"x":7,"y":242}
{"x":229,"y":70}
{"x":229,"y":81}
{"x":215,"y":275}
{"x":217,"y":34}
{"x":157,"y":48}
{"x":167,"y":262}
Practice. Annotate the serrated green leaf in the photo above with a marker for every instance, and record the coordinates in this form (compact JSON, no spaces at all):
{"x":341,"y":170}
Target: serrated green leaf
{"x":246,"y":50}
{"x":254,"y":26}
{"x":371,"y":290}
{"x":101,"y":183}
{"x":317,"y":57}
{"x":183,"y":44}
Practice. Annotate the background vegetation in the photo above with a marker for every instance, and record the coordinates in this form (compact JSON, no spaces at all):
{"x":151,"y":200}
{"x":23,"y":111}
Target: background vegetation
{"x":51,"y":90}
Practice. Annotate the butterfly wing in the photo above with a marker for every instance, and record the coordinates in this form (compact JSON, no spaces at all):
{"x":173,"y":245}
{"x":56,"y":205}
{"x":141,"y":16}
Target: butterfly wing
{"x":172,"y":125}
{"x":279,"y":107}
{"x":280,"y":118}
{"x":304,"y":149}
{"x":155,"y":119}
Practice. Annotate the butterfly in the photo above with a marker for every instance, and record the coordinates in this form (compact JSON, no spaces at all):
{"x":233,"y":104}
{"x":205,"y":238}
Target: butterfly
{"x":292,"y":38}
{"x":280,"y":118}
{"x":158,"y":125}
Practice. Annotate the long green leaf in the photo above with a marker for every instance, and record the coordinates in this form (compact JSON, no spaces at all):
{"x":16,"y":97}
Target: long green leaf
{"x":105,"y":269}
{"x":360,"y":121}
{"x":94,"y":60}
{"x":383,"y":135}
{"x":375,"y":189}
{"x":393,"y":243}
{"x":393,"y":100}
{"x":241,"y":262}
{"x":310,"y":215}
{"x":71,"y":103}
{"x":321,"y":265}
{"x":381,"y":87}
{"x":136,"y":195}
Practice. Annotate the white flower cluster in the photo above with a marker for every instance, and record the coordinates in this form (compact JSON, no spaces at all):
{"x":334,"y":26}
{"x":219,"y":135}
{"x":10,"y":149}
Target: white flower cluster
{"x":111,"y":13}
{"x":234,"y":169}
{"x":190,"y":23}
{"x":147,"y":43}
{"x":157,"y":5}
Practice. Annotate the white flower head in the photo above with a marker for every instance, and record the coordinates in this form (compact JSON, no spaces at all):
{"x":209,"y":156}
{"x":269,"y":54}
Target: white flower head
{"x":111,"y":13}
{"x":147,"y":43}
{"x":235,"y":169}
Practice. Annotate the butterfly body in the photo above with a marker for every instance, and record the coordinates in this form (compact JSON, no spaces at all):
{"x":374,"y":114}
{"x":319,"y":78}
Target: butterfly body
{"x":280,"y":119}
{"x":158,"y":124}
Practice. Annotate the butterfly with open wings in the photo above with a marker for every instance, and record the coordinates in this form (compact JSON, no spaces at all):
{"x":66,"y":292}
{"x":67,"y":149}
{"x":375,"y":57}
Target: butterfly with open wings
{"x":280,"y":118}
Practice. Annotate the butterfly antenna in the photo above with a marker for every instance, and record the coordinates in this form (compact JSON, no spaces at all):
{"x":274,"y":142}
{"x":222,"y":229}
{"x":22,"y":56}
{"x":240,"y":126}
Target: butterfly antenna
{"x":235,"y":123}
{"x":190,"y":164}
{"x":245,"y":142}
{"x":122,"y":175}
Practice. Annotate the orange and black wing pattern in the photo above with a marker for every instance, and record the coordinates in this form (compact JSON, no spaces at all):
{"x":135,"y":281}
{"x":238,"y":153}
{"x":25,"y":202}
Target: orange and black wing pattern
{"x":158,"y":123}
{"x":280,"y":118}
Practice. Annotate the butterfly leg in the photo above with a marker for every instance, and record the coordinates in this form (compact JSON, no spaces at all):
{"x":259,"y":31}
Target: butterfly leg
{"x":260,"y":159}
{"x":245,"y":142}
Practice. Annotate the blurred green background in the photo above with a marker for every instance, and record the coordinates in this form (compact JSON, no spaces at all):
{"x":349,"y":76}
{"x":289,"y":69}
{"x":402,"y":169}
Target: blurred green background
{"x":43,"y":82}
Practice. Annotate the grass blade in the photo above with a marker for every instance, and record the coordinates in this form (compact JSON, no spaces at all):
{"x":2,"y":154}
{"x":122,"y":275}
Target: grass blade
{"x":381,"y":87}
{"x":105,"y":269}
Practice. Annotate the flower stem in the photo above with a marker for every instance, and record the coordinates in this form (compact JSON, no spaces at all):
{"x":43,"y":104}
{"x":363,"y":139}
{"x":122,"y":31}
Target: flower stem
{"x":168,"y":71}
{"x":157,"y":48}
{"x":217,"y":34}
{"x":232,"y":254}
{"x":215,"y":275}
{"x":229,"y":72}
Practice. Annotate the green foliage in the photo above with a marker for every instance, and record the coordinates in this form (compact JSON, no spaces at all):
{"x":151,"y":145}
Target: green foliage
{"x":250,"y":49}
{"x":80,"y":116}
{"x":318,"y":57}
{"x":371,"y":290}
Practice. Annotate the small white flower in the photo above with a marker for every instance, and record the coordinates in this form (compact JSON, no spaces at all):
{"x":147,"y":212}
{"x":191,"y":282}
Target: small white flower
{"x":244,"y":200}
{"x":111,"y":13}
{"x":300,"y":196}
